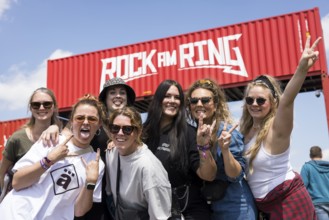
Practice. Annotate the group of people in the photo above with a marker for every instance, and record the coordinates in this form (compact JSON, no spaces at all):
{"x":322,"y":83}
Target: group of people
{"x":107,"y":164}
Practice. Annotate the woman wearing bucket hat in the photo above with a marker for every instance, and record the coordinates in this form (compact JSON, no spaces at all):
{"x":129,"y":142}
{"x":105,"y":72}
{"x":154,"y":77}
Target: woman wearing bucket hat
{"x":115,"y":94}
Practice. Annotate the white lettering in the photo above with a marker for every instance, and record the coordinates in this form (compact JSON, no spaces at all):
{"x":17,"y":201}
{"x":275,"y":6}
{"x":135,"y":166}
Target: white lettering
{"x":165,"y":59}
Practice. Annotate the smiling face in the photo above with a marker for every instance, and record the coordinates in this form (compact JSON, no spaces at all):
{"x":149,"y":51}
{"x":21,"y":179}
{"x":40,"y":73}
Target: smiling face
{"x":116,"y":98}
{"x":84,"y":125}
{"x":125,"y":143}
{"x":42,"y":112}
{"x":259,"y":112}
{"x":206,"y":110}
{"x":171,"y":103}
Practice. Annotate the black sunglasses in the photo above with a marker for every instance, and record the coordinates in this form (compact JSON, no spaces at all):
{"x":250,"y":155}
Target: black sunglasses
{"x":37,"y":105}
{"x":126,"y":129}
{"x":260,"y":101}
{"x":204,"y":100}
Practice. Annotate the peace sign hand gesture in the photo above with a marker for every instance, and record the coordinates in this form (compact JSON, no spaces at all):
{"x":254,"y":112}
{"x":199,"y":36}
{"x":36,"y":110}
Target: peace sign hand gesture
{"x":309,"y":55}
{"x":204,"y":132}
{"x":60,"y":151}
{"x":224,"y":140}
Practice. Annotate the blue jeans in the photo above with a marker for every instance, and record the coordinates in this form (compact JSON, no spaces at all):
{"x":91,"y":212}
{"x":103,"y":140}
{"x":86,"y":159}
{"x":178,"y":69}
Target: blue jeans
{"x":322,"y":211}
{"x":238,"y":204}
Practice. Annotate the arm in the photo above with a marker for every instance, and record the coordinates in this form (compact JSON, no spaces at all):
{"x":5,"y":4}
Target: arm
{"x":279,"y":134}
{"x":84,"y":201}
{"x":231,"y":165}
{"x":4,"y":166}
{"x":304,"y":175}
{"x":207,"y":167}
{"x":29,"y":175}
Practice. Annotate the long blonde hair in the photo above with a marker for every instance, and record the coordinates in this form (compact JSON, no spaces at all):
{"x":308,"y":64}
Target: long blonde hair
{"x":246,"y":123}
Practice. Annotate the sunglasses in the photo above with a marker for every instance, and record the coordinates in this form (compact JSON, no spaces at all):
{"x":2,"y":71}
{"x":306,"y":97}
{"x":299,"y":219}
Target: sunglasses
{"x":37,"y":105}
{"x":204,"y":100}
{"x":260,"y":101}
{"x":82,"y":118}
{"x":126,"y":129}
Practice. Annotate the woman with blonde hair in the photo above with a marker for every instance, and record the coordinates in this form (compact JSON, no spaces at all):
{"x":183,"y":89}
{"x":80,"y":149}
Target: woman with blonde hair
{"x":267,"y":123}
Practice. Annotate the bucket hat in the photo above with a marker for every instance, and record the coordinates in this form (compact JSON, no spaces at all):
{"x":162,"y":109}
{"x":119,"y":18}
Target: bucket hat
{"x":117,"y":82}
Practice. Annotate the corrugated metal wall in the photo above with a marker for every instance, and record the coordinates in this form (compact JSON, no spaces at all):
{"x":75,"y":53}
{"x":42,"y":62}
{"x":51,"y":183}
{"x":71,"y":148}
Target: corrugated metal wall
{"x":7,"y":128}
{"x":232,"y":55}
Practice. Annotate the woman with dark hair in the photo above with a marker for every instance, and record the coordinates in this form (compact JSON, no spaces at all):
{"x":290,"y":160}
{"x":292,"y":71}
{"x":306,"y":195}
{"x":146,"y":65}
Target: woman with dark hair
{"x":174,"y":142}
{"x":44,"y":112}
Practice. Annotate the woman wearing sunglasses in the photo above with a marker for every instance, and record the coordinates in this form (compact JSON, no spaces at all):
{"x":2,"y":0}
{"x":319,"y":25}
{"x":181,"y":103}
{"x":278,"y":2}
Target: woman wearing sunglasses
{"x":59,"y":182}
{"x":174,"y":142}
{"x":233,"y":200}
{"x":44,"y":112}
{"x":267,"y":123}
{"x":137,"y":179}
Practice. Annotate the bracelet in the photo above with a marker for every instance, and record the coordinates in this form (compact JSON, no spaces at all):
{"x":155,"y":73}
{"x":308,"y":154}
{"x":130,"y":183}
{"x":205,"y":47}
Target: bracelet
{"x":48,"y":161}
{"x":43,"y":165}
{"x":203,"y":149}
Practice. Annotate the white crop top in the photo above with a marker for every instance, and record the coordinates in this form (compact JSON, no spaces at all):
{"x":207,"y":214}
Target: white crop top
{"x":269,"y":171}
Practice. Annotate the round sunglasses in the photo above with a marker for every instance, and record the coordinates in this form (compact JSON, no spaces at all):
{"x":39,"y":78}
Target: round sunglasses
{"x":204,"y":100}
{"x":82,"y":118}
{"x":126,"y":129}
{"x":37,"y":105}
{"x":250,"y":100}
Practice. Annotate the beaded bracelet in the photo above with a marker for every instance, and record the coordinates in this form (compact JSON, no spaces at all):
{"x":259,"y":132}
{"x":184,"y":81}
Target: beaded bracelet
{"x":43,"y":165}
{"x":203,"y":149}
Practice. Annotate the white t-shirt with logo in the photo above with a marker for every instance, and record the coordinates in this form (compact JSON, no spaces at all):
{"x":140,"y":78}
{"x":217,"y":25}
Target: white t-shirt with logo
{"x":54,"y":195}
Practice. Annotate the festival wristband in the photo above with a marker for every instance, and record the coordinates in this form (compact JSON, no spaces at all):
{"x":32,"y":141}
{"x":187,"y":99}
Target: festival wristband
{"x":43,"y":165}
{"x":203,"y":149}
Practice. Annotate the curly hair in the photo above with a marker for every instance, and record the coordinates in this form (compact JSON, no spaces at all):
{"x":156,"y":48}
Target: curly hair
{"x":222,"y":112}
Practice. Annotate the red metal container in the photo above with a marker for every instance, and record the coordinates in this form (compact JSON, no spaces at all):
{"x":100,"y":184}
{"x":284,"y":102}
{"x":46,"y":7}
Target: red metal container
{"x":232,"y":55}
{"x":7,"y":128}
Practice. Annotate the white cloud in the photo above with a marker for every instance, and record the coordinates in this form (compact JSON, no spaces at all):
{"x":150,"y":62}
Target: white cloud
{"x":17,"y":86}
{"x":325,"y":28}
{"x":5,"y":6}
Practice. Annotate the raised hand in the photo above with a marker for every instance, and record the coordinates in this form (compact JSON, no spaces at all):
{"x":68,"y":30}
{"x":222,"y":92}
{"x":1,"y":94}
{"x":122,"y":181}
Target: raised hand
{"x":92,"y":168}
{"x":309,"y":55}
{"x":224,"y":140}
{"x":204,"y":131}
{"x":60,"y":151}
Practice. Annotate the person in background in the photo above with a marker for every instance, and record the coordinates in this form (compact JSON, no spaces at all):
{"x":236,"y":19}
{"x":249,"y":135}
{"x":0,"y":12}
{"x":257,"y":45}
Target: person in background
{"x":315,"y":175}
{"x":267,"y":123}
{"x":62,"y":181}
{"x":174,"y":143}
{"x":115,"y":94}
{"x":207,"y":100}
{"x":137,"y":179}
{"x":44,"y":112}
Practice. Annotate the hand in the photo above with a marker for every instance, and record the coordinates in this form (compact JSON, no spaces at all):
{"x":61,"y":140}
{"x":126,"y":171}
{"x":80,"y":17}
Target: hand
{"x":204,"y":132}
{"x":92,"y":168}
{"x":309,"y":55}
{"x":50,"y":136}
{"x":60,"y":151}
{"x":224,"y":140}
{"x":110,"y":145}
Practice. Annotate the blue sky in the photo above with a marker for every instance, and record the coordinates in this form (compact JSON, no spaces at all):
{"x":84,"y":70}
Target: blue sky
{"x":31,"y":32}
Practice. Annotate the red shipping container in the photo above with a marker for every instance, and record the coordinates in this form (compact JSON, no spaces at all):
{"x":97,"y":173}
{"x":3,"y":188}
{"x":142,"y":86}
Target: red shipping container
{"x":232,"y":55}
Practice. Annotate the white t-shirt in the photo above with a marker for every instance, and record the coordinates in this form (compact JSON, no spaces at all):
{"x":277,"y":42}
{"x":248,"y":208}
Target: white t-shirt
{"x":269,"y":171}
{"x":54,"y":195}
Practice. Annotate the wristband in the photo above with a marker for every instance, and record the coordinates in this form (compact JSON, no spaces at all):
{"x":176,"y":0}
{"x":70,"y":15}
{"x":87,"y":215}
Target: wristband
{"x":203,"y":149}
{"x":43,"y":165}
{"x":48,"y":161}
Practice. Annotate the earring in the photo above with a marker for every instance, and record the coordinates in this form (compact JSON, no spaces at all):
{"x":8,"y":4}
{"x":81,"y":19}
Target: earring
{"x":98,"y":132}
